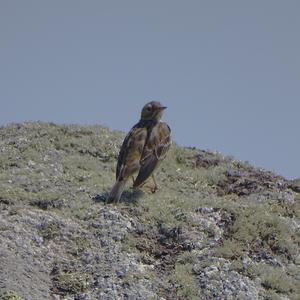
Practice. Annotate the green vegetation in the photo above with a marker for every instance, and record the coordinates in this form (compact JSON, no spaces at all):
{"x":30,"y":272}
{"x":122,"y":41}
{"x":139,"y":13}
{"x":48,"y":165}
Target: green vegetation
{"x":254,"y":229}
{"x":50,"y":231}
{"x":184,"y":282}
{"x":79,"y":245}
{"x":10,"y":295}
{"x":71,"y":282}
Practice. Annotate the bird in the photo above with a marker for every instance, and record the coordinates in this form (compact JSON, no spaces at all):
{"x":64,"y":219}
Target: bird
{"x":143,"y":149}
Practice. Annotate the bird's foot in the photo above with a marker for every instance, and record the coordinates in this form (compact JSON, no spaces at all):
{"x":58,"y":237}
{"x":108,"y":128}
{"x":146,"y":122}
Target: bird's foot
{"x":154,"y":189}
{"x":150,"y":188}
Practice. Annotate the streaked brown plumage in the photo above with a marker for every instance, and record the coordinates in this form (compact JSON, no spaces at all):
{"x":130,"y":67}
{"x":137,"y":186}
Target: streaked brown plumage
{"x":143,"y":149}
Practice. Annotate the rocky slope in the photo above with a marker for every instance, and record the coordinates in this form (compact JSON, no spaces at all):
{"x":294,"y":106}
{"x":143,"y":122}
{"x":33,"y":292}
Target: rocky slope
{"x":217,"y":228}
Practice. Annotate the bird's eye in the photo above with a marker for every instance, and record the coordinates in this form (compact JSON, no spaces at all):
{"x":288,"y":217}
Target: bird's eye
{"x":148,"y":108}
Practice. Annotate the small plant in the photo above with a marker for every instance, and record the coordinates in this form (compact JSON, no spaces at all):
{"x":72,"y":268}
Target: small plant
{"x":10,"y":295}
{"x":187,"y":257}
{"x":129,"y":243}
{"x":230,"y":249}
{"x":50,"y":231}
{"x":255,"y":226}
{"x":71,"y":282}
{"x":274,"y":278}
{"x":184,"y":281}
{"x":79,"y":245}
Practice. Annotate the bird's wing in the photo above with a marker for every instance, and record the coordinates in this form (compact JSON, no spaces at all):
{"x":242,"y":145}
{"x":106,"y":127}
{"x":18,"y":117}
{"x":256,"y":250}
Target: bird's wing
{"x":154,"y":152}
{"x":131,"y":152}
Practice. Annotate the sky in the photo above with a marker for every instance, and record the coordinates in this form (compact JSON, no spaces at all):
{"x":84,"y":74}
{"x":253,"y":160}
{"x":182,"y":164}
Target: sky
{"x":229,"y":71}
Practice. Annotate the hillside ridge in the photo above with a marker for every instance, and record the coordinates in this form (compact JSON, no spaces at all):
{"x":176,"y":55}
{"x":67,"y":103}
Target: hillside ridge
{"x":216,"y":229}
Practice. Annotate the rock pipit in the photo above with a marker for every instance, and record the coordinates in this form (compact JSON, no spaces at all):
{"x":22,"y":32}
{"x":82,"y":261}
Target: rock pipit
{"x":143,"y":149}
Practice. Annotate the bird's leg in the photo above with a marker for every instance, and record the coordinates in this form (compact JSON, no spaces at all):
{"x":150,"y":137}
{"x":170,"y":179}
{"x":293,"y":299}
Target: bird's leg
{"x":136,"y":187}
{"x":152,"y":188}
{"x":146,"y":184}
{"x":155,"y":188}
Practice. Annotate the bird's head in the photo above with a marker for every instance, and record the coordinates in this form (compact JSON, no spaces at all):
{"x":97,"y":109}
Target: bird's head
{"x":152,"y":111}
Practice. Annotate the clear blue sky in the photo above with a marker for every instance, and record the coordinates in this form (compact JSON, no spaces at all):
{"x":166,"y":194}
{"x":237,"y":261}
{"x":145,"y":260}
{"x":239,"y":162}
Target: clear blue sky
{"x":229,"y":71}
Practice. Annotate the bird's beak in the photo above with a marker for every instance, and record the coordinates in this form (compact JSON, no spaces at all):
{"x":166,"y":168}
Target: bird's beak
{"x":162,"y":107}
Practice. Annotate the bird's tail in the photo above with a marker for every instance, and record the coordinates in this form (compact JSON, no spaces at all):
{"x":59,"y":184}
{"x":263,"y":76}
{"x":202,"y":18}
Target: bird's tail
{"x":116,"y":191}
